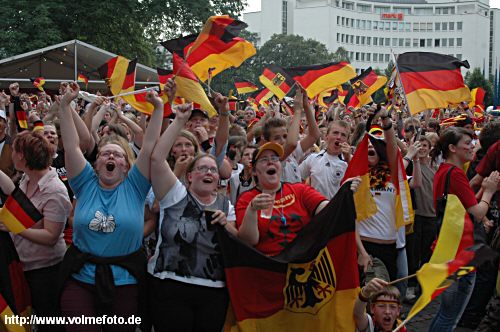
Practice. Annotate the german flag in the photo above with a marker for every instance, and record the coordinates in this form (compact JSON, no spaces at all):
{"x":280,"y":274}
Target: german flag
{"x":18,"y":213}
{"x":277,"y":80}
{"x":318,"y":78}
{"x":477,"y":96}
{"x":22,"y":119}
{"x":261,"y":96}
{"x":114,"y":73}
{"x":82,"y":78}
{"x":363,"y":199}
{"x":454,"y":255}
{"x":432,"y":80}
{"x":405,"y":215}
{"x":14,"y":291}
{"x":217,"y":46}
{"x":189,"y":87}
{"x":364,"y":86}
{"x":244,"y":86}
{"x":38,"y":83}
{"x":38,"y":125}
{"x":311,"y":286}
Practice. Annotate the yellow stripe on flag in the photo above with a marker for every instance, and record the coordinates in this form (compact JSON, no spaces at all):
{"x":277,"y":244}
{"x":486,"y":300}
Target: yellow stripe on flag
{"x":363,"y":200}
{"x":11,"y":222}
{"x":193,"y":92}
{"x":423,"y":99}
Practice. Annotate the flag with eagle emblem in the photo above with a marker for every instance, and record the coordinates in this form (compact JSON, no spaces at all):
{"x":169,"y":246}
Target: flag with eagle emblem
{"x":310,"y":286}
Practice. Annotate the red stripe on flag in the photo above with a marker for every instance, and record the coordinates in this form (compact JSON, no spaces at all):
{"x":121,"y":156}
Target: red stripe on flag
{"x":441,"y":80}
{"x":18,"y":212}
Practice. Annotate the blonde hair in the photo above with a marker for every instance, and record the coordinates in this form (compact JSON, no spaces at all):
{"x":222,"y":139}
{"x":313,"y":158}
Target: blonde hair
{"x":121,"y":142}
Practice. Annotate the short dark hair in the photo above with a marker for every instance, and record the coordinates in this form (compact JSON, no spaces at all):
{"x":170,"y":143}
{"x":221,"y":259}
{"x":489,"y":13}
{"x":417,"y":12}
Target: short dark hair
{"x":270,"y":124}
{"x":37,"y":151}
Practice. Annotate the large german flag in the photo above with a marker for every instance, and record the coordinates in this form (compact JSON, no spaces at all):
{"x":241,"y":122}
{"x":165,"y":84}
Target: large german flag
{"x":432,"y":80}
{"x":189,"y":87}
{"x":318,"y":78}
{"x":18,"y":213}
{"x":277,"y":80}
{"x":363,"y":199}
{"x":114,"y":72}
{"x":261,"y":96}
{"x":137,"y":101}
{"x":311,"y":286}
{"x":217,"y":46}
{"x":14,"y":291}
{"x":244,"y":86}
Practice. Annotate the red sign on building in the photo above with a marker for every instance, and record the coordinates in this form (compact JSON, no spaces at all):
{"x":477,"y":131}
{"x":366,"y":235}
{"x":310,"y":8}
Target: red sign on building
{"x":392,"y":16}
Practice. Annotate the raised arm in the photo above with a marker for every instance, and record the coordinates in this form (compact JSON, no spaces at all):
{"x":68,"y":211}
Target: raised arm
{"x":134,"y":127}
{"x":313,"y":133}
{"x":73,"y":156}
{"x":162,"y":177}
{"x":293,"y":129}
{"x":143,"y":162}
{"x":97,"y":119}
{"x":222,"y":133}
{"x":87,"y":142}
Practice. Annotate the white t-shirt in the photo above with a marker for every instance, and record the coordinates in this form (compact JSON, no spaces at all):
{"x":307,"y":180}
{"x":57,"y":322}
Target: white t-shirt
{"x":381,"y":225}
{"x":325,"y":171}
{"x":290,"y":166}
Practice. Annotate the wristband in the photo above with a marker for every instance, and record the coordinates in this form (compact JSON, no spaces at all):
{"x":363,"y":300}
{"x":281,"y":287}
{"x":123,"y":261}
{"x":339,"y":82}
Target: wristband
{"x":361,"y":297}
{"x":407,"y":159}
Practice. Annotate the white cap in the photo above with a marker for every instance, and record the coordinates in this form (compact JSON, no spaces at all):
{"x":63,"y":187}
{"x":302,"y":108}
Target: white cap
{"x":3,"y":115}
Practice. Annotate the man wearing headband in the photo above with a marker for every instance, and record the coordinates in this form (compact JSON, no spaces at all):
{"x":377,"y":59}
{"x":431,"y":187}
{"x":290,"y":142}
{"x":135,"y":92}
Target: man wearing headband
{"x":385,"y":307}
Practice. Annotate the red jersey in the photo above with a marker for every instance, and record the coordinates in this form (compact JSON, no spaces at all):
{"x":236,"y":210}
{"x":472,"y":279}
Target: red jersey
{"x":296,"y":202}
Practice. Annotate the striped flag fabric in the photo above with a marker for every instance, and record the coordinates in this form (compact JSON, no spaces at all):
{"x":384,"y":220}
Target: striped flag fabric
{"x":18,"y":213}
{"x":311,"y":286}
{"x":217,"y":46}
{"x":432,"y":80}
{"x":244,"y":86}
{"x":188,"y":86}
{"x":477,"y":97}
{"x":277,"y":80}
{"x":454,"y":255}
{"x":261,"y":96}
{"x":363,"y":199}
{"x":82,"y":78}
{"x":15,"y":296}
{"x":318,"y":78}
{"x":363,"y":87}
{"x":114,"y":72}
{"x":38,"y":83}
{"x":405,"y":215}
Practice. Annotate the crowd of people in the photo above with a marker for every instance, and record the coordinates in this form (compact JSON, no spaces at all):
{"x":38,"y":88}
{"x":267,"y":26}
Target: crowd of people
{"x":130,"y":201}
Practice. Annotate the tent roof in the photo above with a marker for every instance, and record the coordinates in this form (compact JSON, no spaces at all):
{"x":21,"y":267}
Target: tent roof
{"x":63,"y":62}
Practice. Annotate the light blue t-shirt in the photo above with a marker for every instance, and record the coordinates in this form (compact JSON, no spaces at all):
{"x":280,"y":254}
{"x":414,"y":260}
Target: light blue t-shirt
{"x":108,"y":222}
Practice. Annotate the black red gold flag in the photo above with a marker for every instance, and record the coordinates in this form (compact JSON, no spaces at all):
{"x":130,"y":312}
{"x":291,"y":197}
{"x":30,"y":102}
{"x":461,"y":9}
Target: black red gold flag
{"x":18,"y":213}
{"x":114,"y":72}
{"x":318,"y":78}
{"x":261,"y":96}
{"x":244,"y":86}
{"x":277,"y":80}
{"x":363,"y":87}
{"x":310,"y":286}
{"x":432,"y":80}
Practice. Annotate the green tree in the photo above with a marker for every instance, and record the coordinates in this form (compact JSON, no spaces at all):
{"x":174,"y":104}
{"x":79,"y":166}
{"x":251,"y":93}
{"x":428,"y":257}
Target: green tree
{"x":341,"y":54}
{"x":476,"y":79}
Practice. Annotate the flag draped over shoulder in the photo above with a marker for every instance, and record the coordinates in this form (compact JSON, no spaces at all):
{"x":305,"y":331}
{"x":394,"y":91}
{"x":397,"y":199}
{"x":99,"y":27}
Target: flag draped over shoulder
{"x":189,"y":87}
{"x":277,"y":80}
{"x":244,"y":86}
{"x":217,"y":46}
{"x":18,"y":213}
{"x":432,"y":80}
{"x":311,"y":286}
{"x":363,"y":199}
{"x":14,"y":291}
{"x":318,"y":78}
{"x":261,"y":96}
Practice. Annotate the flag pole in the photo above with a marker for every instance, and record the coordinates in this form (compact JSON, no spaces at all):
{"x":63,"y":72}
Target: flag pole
{"x":398,"y":76}
{"x":403,"y":323}
{"x":402,"y":279}
{"x":155,"y":88}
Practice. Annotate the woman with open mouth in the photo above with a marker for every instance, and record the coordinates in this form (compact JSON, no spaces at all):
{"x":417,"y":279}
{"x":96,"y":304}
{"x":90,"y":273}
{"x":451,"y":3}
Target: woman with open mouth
{"x":105,"y":264}
{"x":186,"y":276}
{"x":270,"y":216}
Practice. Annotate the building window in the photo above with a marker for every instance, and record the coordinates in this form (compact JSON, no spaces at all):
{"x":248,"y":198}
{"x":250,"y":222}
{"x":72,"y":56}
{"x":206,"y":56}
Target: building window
{"x":451,"y":42}
{"x":375,"y":25}
{"x":284,"y":13}
{"x":394,"y":26}
{"x":401,"y":42}
{"x":338,"y":20}
{"x":352,"y":23}
{"x":352,"y":39}
{"x":368,"y":41}
{"x":394,"y":42}
{"x":375,"y":57}
{"x":362,"y":56}
{"x":459,"y":56}
{"x":437,"y":26}
{"x":407,"y":42}
{"x":437,"y":42}
{"x":422,"y":42}
{"x":380,"y":57}
{"x":445,"y":26}
{"x":357,"y":24}
{"x":381,"y":41}
{"x":451,"y":25}
{"x":387,"y":26}
{"x":422,"y":11}
{"x":364,"y":8}
{"x":416,"y":26}
{"x":363,"y":40}
{"x":338,"y":37}
{"x":404,"y":10}
{"x":415,"y":42}
{"x":444,"y":42}
{"x":357,"y":56}
{"x":363,"y":24}
{"x":380,"y":9}
{"x":429,"y":42}
{"x":348,"y":5}
{"x":423,"y":26}
{"x":368,"y":57}
{"x":408,"y":26}
{"x":429,"y":26}
{"x":459,"y":26}
{"x":445,"y":10}
{"x":375,"y":41}
{"x":459,"y":42}
{"x":343,"y":21}
{"x":387,"y":58}
{"x":387,"y":41}
{"x":401,"y":26}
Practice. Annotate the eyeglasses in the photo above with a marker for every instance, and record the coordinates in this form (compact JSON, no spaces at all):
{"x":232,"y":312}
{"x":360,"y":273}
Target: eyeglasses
{"x":116,"y":154}
{"x":206,"y":169}
{"x":266,"y":160}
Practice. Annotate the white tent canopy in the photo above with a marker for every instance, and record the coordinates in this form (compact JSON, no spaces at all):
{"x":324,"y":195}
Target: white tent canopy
{"x":63,"y":62}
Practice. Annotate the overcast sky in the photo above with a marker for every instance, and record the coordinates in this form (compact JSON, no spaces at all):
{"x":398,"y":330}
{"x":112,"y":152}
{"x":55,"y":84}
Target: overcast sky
{"x":254,"y":5}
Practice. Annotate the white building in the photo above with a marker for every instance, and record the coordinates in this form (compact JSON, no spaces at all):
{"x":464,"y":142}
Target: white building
{"x":369,"y":30}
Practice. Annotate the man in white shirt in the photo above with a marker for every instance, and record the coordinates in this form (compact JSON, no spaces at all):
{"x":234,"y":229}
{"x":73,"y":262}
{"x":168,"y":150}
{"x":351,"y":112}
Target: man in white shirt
{"x":326,"y":169}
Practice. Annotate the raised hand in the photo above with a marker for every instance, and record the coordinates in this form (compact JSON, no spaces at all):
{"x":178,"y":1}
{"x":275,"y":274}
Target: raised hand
{"x":170,"y":89}
{"x":153,"y":98}
{"x":183,"y":112}
{"x":222,"y":103}
{"x":14,"y":89}
{"x":71,"y":93}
